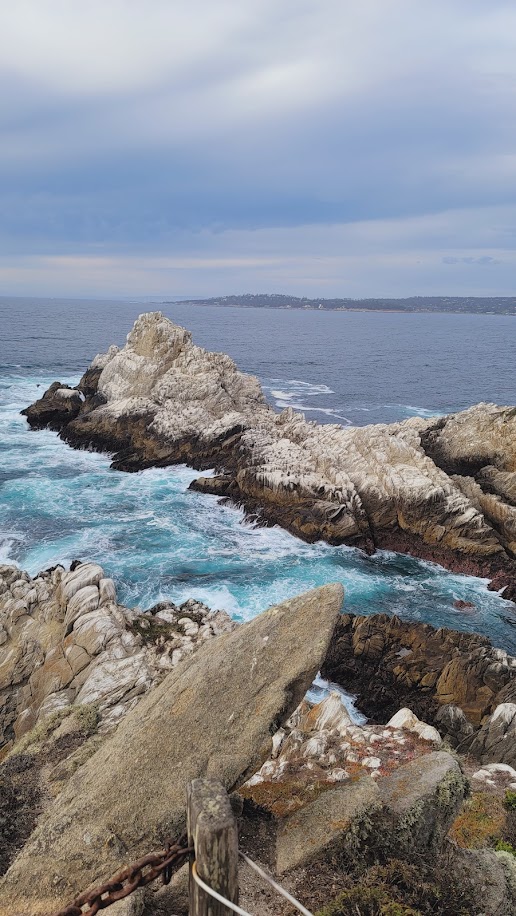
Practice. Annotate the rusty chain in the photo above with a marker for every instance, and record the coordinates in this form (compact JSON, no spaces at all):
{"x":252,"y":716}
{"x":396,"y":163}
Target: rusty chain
{"x":129,"y":879}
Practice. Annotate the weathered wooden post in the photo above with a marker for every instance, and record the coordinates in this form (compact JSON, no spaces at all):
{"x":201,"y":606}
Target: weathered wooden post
{"x":212,"y":831}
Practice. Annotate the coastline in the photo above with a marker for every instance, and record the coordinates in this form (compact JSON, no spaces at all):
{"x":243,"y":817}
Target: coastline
{"x":302,"y":308}
{"x":269,"y":464}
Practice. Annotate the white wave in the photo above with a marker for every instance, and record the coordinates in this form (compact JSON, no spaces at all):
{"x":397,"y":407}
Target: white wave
{"x":418,"y":411}
{"x":321,"y":689}
{"x":6,"y":547}
{"x":293,"y":393}
{"x":304,"y":408}
{"x":307,"y":388}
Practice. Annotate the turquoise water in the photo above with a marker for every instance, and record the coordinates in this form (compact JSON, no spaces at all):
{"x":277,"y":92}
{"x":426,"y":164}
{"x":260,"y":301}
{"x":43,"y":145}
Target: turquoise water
{"x":160,"y":540}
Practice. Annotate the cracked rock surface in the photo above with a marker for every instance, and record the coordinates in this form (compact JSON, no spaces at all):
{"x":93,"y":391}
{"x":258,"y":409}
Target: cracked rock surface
{"x":65,"y":640}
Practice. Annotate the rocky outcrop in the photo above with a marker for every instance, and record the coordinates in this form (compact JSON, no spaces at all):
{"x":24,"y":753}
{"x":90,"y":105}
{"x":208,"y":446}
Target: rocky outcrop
{"x":496,"y":740}
{"x":214,"y":715}
{"x":411,"y":809}
{"x":440,"y":490}
{"x":64,"y":640}
{"x":339,"y":789}
{"x":453,"y":680}
{"x":320,"y":745}
{"x":59,"y":405}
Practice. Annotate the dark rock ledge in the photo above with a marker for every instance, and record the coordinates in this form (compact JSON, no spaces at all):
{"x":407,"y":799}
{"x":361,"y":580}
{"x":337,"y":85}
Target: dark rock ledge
{"x":456,"y":681}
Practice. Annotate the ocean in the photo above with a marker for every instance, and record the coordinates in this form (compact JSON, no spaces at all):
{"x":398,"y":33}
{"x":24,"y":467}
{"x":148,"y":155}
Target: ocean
{"x":159,"y":540}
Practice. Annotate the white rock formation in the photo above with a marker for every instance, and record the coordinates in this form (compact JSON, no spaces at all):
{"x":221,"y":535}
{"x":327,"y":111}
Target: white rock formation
{"x":322,"y":743}
{"x":405,"y":718}
{"x":425,"y":486}
{"x":190,"y":390}
{"x":64,"y":639}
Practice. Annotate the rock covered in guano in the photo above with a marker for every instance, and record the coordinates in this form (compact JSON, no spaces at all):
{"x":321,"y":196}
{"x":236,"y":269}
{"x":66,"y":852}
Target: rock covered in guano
{"x":438,"y":488}
{"x":214,"y":714}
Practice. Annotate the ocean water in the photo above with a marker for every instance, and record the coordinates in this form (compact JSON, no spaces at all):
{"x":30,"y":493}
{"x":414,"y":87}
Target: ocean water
{"x":158,"y":539}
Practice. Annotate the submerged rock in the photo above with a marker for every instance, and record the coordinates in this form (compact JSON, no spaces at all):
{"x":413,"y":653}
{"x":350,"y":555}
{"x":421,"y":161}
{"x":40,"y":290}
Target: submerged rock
{"x":212,"y":715}
{"x":437,"y":489}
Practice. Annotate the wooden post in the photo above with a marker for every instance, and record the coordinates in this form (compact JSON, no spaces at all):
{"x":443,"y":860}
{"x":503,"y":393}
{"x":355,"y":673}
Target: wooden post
{"x":212,"y":830}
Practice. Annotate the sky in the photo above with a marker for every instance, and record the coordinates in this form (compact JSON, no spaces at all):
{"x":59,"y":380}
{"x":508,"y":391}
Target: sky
{"x":211,"y":147}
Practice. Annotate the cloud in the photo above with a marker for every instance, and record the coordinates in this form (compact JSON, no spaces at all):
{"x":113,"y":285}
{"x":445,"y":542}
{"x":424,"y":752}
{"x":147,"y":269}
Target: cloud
{"x":157,"y":130}
{"x":396,"y":257}
{"x":485,"y":259}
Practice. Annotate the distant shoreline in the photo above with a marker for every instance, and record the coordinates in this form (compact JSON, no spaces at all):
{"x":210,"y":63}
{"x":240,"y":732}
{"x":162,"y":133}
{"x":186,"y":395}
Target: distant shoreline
{"x":442,"y":305}
{"x":304,"y":308}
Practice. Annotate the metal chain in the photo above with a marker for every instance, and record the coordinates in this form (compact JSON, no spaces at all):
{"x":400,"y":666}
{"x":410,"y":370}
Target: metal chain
{"x":127,"y":880}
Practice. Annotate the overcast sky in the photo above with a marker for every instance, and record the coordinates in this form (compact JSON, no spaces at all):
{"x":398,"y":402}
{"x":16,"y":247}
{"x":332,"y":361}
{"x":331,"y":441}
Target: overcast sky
{"x":203,"y":147}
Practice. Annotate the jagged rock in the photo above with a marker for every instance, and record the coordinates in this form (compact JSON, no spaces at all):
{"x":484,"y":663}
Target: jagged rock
{"x":65,"y":640}
{"x":496,"y":740}
{"x":452,"y":722}
{"x":59,"y":405}
{"x":213,"y":715}
{"x":321,"y":744}
{"x":339,"y":819}
{"x":389,"y":663}
{"x":426,"y":487}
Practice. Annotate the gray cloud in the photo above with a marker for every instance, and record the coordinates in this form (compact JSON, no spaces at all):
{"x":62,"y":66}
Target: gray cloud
{"x":226,"y":134}
{"x":485,"y":259}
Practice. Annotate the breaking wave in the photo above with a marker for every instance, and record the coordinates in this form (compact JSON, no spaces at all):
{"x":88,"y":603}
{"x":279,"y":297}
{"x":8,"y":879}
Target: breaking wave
{"x":158,"y":539}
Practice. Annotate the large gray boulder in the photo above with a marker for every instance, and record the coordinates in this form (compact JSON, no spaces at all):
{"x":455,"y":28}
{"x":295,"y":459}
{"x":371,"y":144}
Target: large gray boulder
{"x":213,"y":715}
{"x":421,"y":799}
{"x":338,"y":820}
{"x":409,"y":812}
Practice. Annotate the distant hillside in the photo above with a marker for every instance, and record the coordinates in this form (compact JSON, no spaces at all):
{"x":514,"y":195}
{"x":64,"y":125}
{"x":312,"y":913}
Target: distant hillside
{"x":498,"y":305}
